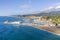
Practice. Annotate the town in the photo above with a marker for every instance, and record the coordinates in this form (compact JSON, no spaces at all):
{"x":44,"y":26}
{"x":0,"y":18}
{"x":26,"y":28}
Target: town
{"x":38,"y":22}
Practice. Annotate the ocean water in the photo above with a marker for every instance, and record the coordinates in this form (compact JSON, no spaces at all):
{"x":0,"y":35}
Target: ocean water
{"x":13,"y":32}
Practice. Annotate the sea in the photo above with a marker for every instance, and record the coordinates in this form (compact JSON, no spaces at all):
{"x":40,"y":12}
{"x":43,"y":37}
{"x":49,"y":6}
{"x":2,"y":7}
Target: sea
{"x":21,"y":32}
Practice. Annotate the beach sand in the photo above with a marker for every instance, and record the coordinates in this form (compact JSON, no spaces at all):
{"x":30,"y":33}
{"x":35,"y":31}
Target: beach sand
{"x":53,"y":29}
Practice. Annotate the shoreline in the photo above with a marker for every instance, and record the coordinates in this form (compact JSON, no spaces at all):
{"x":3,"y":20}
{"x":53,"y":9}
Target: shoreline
{"x":48,"y":31}
{"x":52,"y":29}
{"x":44,"y":29}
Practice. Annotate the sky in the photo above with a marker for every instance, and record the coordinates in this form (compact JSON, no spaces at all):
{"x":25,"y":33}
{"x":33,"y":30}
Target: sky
{"x":21,"y":7}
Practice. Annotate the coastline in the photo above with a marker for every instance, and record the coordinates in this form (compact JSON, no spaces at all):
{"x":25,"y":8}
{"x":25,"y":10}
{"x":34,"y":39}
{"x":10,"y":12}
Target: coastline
{"x":51,"y":29}
{"x":42,"y":28}
{"x":48,"y":31}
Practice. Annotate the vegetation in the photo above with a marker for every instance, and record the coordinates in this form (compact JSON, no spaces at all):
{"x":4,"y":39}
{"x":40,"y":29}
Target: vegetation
{"x":55,"y":19}
{"x":53,"y":15}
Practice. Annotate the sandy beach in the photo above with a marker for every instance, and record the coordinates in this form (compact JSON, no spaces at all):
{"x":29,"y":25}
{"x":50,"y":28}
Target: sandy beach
{"x":52,"y":29}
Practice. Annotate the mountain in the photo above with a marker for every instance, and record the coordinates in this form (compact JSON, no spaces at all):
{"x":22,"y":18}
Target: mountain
{"x":52,"y":8}
{"x":52,"y":13}
{"x":49,"y":11}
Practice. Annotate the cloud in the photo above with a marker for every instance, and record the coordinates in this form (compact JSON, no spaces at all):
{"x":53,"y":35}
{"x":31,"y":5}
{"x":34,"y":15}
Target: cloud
{"x":55,"y":6}
{"x":25,"y":6}
{"x":48,"y":8}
